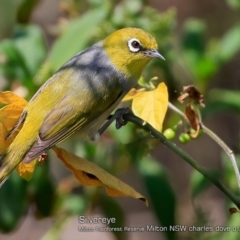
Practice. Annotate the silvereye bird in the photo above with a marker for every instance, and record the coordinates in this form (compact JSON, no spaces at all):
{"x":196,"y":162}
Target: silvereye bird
{"x":80,"y":95}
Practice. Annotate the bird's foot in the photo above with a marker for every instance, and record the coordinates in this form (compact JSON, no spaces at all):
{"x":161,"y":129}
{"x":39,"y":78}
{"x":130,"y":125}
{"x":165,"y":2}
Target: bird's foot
{"x":118,"y":116}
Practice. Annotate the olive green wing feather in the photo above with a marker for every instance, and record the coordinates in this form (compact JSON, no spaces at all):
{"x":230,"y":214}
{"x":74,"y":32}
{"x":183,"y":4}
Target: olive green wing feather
{"x":67,"y":118}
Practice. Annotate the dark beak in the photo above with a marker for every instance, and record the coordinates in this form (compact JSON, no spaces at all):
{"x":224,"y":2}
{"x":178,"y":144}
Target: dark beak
{"x":153,"y":54}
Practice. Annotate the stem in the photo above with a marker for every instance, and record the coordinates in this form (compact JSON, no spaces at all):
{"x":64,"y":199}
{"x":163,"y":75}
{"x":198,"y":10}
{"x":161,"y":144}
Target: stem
{"x":160,"y":137}
{"x":227,"y":150}
{"x":218,"y":140}
{"x":175,"y":109}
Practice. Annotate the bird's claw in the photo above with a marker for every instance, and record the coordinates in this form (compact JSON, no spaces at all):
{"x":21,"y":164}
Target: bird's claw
{"x":118,"y":116}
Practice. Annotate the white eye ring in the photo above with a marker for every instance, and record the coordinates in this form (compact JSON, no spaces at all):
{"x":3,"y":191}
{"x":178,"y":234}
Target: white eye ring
{"x":134,"y":45}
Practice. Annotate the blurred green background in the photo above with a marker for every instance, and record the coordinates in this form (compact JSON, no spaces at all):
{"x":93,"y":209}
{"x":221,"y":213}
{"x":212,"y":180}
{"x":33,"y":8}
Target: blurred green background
{"x":200,"y":41}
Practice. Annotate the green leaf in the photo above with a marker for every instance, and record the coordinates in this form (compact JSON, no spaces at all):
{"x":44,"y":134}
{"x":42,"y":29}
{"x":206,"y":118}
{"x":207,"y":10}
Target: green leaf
{"x":235,"y":4}
{"x":13,"y":202}
{"x":44,"y":197}
{"x":15,"y":66}
{"x":232,"y":228}
{"x":204,"y":68}
{"x":72,"y":204}
{"x":8,"y":13}
{"x":229,"y":97}
{"x":229,"y":44}
{"x":25,"y":10}
{"x":76,"y":37}
{"x":220,"y":100}
{"x":194,"y":30}
{"x":42,"y":190}
{"x":123,"y":135}
{"x":112,"y":209}
{"x":199,"y":183}
{"x":24,"y":55}
{"x":229,"y":173}
{"x":30,"y":44}
{"x":162,"y":197}
{"x":137,"y":149}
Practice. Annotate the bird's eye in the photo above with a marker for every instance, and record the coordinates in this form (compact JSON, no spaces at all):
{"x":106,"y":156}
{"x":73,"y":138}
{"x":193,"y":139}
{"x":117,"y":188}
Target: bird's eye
{"x":134,"y":45}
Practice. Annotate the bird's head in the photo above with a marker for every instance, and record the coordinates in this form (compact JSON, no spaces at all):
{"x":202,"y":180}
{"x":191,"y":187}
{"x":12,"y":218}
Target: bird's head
{"x":130,"y":49}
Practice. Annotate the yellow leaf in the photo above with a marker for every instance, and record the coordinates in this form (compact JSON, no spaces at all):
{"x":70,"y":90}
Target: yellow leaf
{"x":9,"y":115}
{"x":8,"y":118}
{"x":90,"y":174}
{"x":131,"y":94}
{"x":26,"y":170}
{"x":151,"y":106}
{"x":11,"y":98}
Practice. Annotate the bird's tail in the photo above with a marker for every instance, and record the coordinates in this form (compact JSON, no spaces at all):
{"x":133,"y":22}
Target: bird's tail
{"x":13,"y":156}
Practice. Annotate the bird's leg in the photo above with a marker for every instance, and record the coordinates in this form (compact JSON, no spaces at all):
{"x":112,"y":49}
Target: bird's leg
{"x":118,"y":116}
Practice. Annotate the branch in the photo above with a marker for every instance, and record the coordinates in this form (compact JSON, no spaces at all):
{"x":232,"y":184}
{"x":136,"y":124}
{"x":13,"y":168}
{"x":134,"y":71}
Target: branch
{"x":160,"y":137}
{"x":212,"y":135}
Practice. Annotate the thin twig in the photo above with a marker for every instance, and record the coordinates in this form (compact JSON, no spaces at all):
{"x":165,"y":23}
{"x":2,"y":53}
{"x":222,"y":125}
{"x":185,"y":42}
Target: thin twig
{"x":227,"y":150}
{"x":176,"y":110}
{"x":159,"y":136}
{"x":219,"y":141}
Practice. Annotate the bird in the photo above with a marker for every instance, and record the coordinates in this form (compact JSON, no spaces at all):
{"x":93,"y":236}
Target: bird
{"x":80,"y":95}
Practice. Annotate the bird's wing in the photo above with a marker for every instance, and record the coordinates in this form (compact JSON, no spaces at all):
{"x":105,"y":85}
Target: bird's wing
{"x":65,"y":119}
